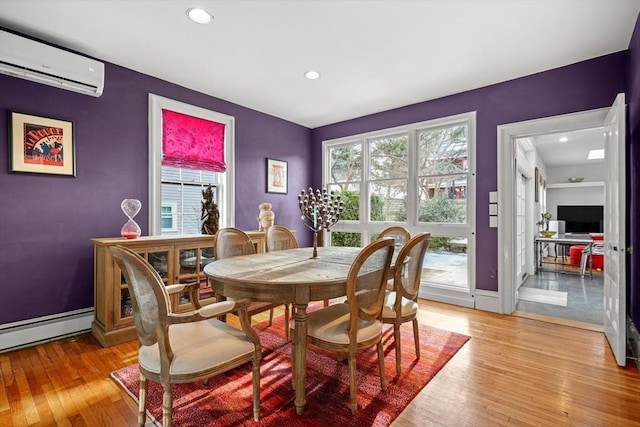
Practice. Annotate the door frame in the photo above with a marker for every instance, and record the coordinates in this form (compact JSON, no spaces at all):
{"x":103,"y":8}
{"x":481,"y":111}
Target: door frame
{"x":507,"y":134}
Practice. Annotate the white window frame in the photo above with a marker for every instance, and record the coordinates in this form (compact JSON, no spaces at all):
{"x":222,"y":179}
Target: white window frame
{"x":366,"y":227}
{"x":173,"y":207}
{"x":226,"y":184}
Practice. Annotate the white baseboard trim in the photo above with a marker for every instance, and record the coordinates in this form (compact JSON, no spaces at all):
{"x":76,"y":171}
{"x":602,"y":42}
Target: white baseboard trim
{"x":487,"y":301}
{"x":633,"y":339}
{"x":33,"y":331}
{"x":462,"y":300}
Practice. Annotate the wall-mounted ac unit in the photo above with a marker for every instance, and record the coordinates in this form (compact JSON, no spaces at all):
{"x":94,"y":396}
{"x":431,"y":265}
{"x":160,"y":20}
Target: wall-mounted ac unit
{"x":28,"y":59}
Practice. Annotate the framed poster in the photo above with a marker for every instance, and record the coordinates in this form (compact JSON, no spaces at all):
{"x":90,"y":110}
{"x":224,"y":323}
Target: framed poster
{"x":41,"y":145}
{"x":276,"y":176}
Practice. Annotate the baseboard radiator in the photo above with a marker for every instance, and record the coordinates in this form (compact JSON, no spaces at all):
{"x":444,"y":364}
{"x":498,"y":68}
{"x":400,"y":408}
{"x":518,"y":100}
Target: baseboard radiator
{"x":42,"y":329}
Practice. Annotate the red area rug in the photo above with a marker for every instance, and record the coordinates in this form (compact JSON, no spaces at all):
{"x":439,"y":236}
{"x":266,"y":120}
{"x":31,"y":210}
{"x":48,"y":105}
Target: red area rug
{"x":226,"y":399}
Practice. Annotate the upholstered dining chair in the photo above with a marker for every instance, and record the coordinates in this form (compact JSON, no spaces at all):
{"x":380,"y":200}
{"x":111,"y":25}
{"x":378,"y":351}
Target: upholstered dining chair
{"x":230,"y":242}
{"x":185,"y":347}
{"x":401,"y":303}
{"x":356,"y":323}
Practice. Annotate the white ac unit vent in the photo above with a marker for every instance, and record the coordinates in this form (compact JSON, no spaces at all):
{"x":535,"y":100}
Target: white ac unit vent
{"x":28,"y":59}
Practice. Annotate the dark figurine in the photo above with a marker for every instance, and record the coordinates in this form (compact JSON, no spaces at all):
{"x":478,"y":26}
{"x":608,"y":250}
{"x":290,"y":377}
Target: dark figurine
{"x":210,"y":215}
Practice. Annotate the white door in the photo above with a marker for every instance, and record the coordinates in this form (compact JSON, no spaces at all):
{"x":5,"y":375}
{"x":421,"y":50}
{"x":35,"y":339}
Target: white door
{"x":614,"y":230}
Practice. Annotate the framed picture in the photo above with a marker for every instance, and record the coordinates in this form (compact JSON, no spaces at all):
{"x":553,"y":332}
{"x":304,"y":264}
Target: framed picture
{"x":276,"y":176}
{"x":41,"y":145}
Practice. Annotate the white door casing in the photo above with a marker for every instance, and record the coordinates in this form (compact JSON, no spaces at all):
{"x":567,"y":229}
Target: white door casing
{"x":614,"y":231}
{"x":507,"y":243}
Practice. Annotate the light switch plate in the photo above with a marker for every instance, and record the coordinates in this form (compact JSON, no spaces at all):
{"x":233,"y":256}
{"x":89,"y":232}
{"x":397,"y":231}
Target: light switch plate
{"x":493,"y":221}
{"x":493,"y":197}
{"x":493,"y":209}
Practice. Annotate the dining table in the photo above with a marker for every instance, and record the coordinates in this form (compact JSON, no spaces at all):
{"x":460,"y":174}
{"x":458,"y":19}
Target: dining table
{"x":289,"y":276}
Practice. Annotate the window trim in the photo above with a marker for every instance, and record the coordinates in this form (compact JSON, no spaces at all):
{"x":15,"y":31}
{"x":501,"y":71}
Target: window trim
{"x":227,"y":179}
{"x":439,"y":292}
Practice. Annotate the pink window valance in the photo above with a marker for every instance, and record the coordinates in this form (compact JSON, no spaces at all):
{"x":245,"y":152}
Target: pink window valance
{"x":192,"y":142}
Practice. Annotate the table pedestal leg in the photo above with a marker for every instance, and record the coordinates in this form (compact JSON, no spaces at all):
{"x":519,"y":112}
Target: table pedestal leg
{"x":300,"y":357}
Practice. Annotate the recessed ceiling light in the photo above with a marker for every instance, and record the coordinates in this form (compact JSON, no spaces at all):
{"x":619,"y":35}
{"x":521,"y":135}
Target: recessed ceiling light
{"x":596,"y":154}
{"x":199,"y":16}
{"x":563,"y":139}
{"x":312,"y":75}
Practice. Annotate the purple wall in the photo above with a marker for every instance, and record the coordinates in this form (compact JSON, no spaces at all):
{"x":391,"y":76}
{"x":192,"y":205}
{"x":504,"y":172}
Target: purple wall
{"x":46,"y":221}
{"x":633,"y":184}
{"x":582,"y":86}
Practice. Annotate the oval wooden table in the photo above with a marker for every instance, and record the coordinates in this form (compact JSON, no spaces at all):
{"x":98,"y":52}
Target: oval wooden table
{"x":289,"y":277}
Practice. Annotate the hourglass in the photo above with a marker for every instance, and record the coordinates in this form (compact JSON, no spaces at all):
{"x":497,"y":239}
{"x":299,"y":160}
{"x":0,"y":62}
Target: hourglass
{"x":130,"y":207}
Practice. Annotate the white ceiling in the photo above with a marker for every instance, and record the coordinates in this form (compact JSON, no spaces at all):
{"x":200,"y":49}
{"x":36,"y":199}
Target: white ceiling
{"x":573,"y":151}
{"x":373,"y":55}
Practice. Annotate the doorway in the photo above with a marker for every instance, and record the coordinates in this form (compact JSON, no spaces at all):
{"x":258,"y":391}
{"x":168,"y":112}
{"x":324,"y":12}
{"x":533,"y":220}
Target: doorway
{"x":614,"y":222}
{"x":508,"y":225}
{"x":556,"y":170}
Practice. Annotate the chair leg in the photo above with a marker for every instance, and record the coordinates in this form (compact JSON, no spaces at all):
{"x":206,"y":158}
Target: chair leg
{"x":352,"y":383}
{"x":270,"y":317}
{"x":287,"y":332}
{"x":166,"y":406}
{"x":256,"y":389}
{"x":416,"y":337}
{"x":383,"y":377}
{"x":396,"y":344}
{"x":142,"y":401}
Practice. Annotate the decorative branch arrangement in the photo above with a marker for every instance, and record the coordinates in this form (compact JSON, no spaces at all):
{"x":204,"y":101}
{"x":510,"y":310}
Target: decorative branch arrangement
{"x":320,"y":209}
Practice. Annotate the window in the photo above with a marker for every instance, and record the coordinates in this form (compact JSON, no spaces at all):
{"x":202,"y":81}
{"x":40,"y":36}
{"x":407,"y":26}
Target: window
{"x":175,"y":193}
{"x":168,"y":217}
{"x":420,"y":176}
{"x":181,"y":190}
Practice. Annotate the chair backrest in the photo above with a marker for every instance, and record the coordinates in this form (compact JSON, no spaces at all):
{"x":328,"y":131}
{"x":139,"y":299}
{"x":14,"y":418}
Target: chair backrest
{"x":149,"y":298}
{"x":280,"y":238}
{"x":232,"y":242}
{"x":407,"y":279}
{"x":400,"y":234}
{"x":366,"y":282}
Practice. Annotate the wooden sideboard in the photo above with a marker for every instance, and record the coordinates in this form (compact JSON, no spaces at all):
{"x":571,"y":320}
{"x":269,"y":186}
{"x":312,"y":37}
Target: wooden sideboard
{"x":178,"y":259}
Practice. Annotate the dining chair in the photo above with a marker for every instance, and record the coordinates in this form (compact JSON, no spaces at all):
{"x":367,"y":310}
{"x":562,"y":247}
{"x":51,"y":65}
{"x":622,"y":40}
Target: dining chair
{"x":230,"y":242}
{"x":400,"y":234}
{"x":280,"y":238}
{"x":356,"y":323}
{"x":401,"y":303}
{"x":183,"y":347}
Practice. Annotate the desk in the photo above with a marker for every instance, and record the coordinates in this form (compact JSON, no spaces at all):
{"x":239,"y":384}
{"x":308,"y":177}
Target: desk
{"x":561,"y":239}
{"x":288,"y":276}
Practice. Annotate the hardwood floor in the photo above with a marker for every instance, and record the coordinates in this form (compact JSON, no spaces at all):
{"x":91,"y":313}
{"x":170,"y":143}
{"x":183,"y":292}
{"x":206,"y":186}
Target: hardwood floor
{"x":513,"y":371}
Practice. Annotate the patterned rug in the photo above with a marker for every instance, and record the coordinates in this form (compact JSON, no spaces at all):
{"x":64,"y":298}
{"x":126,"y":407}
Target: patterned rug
{"x":226,"y":399}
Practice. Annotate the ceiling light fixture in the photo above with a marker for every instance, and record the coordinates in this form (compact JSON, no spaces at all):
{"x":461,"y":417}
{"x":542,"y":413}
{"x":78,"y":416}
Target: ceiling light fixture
{"x":199,"y":16}
{"x":563,"y":139}
{"x":596,"y":154}
{"x":312,"y":75}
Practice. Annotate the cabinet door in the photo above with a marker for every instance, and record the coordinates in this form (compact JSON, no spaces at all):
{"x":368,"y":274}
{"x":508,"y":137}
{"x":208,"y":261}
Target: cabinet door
{"x":189,"y":266}
{"x":159,"y":259}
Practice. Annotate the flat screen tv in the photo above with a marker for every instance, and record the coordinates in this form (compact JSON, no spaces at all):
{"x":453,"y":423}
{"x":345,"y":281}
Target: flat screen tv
{"x":582,"y":219}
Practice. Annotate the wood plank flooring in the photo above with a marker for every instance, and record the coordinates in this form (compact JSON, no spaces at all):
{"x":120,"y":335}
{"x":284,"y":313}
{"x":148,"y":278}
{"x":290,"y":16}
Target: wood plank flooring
{"x":513,"y":372}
